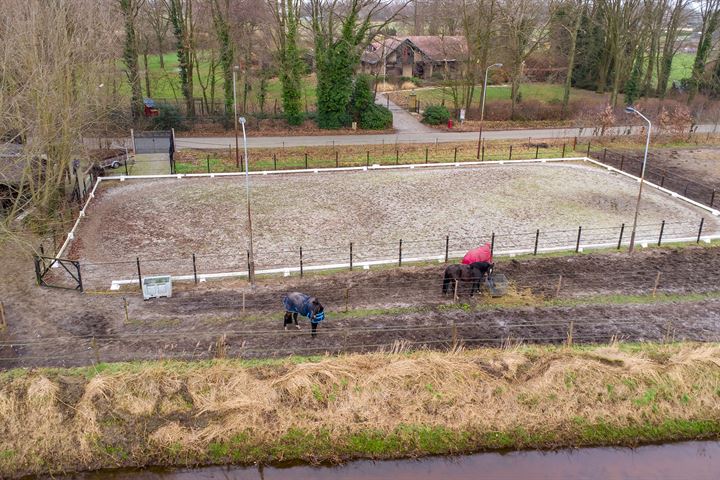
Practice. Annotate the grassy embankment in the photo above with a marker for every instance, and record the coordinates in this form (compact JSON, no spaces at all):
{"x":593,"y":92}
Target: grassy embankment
{"x":356,"y":406}
{"x":196,"y":161}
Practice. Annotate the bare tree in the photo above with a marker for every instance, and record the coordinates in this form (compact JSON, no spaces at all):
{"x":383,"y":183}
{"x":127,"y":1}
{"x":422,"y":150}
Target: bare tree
{"x":129,"y":10}
{"x":524,"y":25}
{"x":620,"y":19}
{"x":709,"y":11}
{"x":481,"y":29}
{"x":675,"y":16}
{"x":55,"y":58}
{"x":183,"y":22}
{"x":156,"y":15}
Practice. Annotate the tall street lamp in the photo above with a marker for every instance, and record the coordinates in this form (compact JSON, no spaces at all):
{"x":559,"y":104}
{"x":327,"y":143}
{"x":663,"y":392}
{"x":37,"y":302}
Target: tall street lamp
{"x":237,"y":146}
{"x":251,"y":256}
{"x":482,"y":107}
{"x":642,"y":176}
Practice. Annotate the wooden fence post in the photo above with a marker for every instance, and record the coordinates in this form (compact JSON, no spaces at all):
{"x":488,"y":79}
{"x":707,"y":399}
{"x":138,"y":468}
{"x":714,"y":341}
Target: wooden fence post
{"x":301,"y":263}
{"x":563,"y":151}
{"x":537,"y":238}
{"x":662,"y":229}
{"x":453,"y":332}
{"x":622,"y":230}
{"x":127,"y":312}
{"x":510,"y":156}
{"x":96,"y":349}
{"x":351,"y":256}
{"x":3,"y":322}
{"x":400,"y":254}
{"x":570,"y":334}
{"x":559,"y":286}
{"x":455,"y":295}
{"x":657,"y":282}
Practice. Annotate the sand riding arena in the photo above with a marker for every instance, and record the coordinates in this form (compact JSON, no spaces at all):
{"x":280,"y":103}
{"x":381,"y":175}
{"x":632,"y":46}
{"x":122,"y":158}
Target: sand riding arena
{"x":195,"y":226}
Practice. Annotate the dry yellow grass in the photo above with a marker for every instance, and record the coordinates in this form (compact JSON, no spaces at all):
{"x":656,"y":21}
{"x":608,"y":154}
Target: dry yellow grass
{"x":376,"y":405}
{"x":385,"y":87}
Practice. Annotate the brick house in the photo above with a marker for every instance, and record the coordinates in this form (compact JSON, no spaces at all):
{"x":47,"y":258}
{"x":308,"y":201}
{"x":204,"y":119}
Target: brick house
{"x":414,"y":56}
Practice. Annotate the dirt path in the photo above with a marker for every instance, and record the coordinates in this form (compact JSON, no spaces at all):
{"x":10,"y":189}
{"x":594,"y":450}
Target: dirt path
{"x":53,"y":327}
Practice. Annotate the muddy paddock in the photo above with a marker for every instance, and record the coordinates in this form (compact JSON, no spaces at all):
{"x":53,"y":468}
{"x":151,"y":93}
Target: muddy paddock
{"x":370,"y":310}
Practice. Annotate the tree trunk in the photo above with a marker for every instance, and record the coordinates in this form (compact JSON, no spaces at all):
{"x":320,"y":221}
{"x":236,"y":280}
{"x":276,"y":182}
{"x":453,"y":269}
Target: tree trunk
{"x":147,"y":72}
{"x":571,"y":62}
{"x":130,"y":57}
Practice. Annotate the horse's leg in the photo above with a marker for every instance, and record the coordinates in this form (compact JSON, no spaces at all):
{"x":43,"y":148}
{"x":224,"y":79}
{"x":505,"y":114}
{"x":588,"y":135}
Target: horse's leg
{"x":314,"y":329}
{"x":446,"y":282}
{"x":287,"y":320}
{"x":295,"y":315}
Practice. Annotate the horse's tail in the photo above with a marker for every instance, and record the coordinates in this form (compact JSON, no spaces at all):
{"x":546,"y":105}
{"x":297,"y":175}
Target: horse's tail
{"x":446,"y":282}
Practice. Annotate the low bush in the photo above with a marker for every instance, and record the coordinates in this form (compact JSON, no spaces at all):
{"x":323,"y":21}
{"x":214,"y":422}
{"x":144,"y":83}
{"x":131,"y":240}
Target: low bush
{"x":414,"y":80}
{"x":169,"y":117}
{"x":376,"y":117}
{"x":436,"y":115}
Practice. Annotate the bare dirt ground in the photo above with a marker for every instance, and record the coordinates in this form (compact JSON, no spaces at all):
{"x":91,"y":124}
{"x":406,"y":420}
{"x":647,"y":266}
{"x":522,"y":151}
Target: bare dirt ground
{"x":54,"y":327}
{"x":165,"y":221}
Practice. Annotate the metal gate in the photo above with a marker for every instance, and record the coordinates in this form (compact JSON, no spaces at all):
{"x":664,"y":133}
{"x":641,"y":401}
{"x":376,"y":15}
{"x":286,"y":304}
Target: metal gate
{"x":58,"y":273}
{"x":152,"y":141}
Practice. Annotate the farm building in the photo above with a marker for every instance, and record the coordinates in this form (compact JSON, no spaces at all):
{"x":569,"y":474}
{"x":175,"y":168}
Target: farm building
{"x":414,"y":56}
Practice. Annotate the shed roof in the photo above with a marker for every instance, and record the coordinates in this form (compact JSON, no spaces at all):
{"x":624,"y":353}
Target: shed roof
{"x":435,"y":47}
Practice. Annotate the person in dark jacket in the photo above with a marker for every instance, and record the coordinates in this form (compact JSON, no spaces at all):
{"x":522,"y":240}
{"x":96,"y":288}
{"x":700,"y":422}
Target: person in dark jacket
{"x":299,"y":303}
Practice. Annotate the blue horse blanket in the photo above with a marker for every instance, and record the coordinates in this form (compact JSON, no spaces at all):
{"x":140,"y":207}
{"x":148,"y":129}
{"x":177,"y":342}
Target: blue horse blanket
{"x":302,"y":304}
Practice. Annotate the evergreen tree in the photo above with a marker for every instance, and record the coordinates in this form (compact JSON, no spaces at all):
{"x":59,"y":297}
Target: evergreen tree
{"x":632,"y":86}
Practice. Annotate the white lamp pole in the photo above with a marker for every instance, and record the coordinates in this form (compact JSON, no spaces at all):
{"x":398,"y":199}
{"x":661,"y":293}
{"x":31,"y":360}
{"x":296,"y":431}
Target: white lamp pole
{"x":642,"y":177}
{"x":251,"y":255}
{"x":482,"y":106}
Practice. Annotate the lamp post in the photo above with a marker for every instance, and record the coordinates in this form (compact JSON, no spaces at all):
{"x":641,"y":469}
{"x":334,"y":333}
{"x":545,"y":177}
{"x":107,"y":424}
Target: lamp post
{"x":642,"y":176}
{"x":482,"y":107}
{"x":251,"y":256}
{"x":237,"y":146}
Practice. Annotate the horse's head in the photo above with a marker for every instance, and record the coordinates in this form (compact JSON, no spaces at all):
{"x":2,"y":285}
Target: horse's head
{"x":318,"y":312}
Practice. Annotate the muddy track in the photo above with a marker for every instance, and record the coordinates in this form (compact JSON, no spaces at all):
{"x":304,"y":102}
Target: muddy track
{"x":690,"y":270}
{"x":190,"y":324}
{"x":434,"y":329}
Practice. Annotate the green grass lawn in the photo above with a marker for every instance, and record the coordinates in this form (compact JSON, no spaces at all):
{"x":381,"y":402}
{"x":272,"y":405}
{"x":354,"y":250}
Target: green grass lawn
{"x":165,"y":82}
{"x":544,"y":92}
{"x":681,"y":66}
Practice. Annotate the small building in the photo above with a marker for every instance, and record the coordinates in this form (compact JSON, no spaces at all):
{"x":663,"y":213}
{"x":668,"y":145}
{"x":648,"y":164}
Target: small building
{"x":414,"y":56}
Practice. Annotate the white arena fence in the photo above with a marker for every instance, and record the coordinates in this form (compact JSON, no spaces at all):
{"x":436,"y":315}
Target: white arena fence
{"x":195,"y":267}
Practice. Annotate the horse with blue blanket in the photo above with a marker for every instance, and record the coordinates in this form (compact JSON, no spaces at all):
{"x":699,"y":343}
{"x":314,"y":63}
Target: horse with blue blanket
{"x":298,"y":303}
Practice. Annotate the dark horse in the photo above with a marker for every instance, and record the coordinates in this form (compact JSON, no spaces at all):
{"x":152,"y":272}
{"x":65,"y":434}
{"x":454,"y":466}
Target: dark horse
{"x":299,"y":303}
{"x":473,"y":273}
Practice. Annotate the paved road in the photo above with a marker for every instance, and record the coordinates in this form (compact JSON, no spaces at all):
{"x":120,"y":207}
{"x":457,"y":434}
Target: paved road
{"x":400,"y":137}
{"x":403,"y":121}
